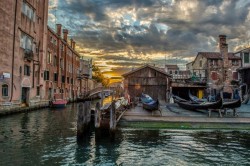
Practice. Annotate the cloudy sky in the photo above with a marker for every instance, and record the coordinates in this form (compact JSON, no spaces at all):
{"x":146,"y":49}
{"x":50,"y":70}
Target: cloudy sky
{"x":122,"y":34}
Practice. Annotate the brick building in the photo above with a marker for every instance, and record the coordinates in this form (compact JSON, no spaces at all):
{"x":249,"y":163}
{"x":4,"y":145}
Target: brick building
{"x":22,"y":47}
{"x":217,"y":68}
{"x":62,"y":69}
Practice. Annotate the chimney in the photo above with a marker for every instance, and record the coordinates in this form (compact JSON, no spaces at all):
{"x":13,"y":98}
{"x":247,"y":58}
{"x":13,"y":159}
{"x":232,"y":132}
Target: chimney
{"x":224,"y":50}
{"x":59,"y":29}
{"x":71,"y":43}
{"x":65,"y":34}
{"x":74,"y":45}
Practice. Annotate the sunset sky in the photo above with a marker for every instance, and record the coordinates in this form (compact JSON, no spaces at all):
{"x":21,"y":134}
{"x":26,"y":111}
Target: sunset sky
{"x":123,"y":34}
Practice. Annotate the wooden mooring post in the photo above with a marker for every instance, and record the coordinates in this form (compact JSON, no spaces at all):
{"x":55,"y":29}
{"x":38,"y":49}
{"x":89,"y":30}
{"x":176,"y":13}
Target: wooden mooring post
{"x":112,"y":123}
{"x":83,"y":118}
{"x":107,"y":117}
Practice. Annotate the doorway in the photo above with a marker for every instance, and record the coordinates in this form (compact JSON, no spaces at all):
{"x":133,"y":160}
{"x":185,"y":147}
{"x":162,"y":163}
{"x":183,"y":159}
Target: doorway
{"x":25,"y":96}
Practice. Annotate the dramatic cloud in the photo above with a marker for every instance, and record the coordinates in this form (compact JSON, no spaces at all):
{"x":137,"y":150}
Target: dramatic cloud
{"x":123,"y":34}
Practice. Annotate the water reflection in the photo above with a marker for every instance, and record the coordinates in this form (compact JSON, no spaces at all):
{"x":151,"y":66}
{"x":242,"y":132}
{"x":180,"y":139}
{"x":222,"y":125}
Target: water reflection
{"x":48,"y":137}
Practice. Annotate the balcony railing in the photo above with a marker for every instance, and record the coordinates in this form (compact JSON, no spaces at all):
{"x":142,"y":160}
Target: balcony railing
{"x":28,"y":54}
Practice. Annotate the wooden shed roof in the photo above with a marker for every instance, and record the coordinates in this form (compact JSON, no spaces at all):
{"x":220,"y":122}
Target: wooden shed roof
{"x":150,"y":66}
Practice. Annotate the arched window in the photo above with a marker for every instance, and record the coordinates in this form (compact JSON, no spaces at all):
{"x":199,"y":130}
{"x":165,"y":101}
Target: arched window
{"x":5,"y":90}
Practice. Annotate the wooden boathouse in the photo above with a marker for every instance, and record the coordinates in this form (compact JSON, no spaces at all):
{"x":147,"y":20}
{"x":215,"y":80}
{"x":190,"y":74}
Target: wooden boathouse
{"x":147,"y":79}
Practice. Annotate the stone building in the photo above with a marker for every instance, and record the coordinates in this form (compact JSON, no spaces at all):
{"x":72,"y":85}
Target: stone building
{"x":244,"y":70}
{"x":62,"y":69}
{"x":147,"y":79}
{"x":22,"y":47}
{"x":217,"y":68}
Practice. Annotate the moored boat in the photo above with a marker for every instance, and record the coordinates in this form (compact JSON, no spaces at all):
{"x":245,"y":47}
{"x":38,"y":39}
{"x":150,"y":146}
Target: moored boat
{"x":195,"y":99}
{"x":177,"y":98}
{"x":190,"y":105}
{"x":59,"y":103}
{"x":231,"y":104}
{"x":148,"y":103}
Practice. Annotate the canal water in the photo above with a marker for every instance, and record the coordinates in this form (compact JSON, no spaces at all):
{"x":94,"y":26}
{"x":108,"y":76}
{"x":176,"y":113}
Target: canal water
{"x":48,"y":137}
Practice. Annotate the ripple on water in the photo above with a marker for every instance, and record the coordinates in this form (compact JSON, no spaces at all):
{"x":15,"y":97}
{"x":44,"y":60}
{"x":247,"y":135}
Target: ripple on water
{"x":49,"y":138}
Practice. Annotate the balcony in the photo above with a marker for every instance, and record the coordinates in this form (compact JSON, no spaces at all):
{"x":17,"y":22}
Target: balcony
{"x":28,"y":55}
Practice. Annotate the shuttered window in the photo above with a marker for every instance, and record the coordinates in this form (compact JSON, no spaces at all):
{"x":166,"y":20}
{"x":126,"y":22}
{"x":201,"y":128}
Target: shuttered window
{"x":214,"y":75}
{"x":235,"y":75}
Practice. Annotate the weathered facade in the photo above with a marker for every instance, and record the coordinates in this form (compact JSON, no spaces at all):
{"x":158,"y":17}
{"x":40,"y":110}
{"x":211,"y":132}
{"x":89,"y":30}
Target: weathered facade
{"x":62,"y":66}
{"x":244,"y":71}
{"x":22,"y":47}
{"x":147,"y":79}
{"x":217,"y":68}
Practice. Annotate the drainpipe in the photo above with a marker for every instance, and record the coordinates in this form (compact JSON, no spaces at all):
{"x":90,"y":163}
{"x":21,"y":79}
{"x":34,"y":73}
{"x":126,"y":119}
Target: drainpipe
{"x":13,"y":53}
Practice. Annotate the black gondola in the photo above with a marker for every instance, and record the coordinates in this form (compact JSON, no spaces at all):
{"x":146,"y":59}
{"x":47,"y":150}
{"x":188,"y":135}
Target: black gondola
{"x":177,"y":98}
{"x":196,"y":99}
{"x":189,"y":105}
{"x":231,"y":104}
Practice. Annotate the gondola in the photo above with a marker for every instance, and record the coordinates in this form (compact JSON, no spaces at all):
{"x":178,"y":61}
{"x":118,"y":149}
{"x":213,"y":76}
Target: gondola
{"x":231,"y":104}
{"x":189,"y":105}
{"x":245,"y":98}
{"x":177,"y":98}
{"x":148,"y":103}
{"x":196,"y":99}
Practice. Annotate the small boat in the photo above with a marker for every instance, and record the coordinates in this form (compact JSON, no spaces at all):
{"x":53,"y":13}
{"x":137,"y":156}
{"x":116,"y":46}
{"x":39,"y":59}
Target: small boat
{"x":190,"y":105}
{"x":148,"y":103}
{"x":231,"y":104}
{"x":58,"y":103}
{"x":195,"y":99}
{"x":177,"y":98}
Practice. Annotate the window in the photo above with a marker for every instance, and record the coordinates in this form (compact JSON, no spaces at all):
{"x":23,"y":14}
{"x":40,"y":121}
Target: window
{"x":175,"y":72}
{"x":63,"y":79}
{"x":235,"y":75}
{"x":200,"y":63}
{"x":68,"y":80}
{"x":234,"y":62}
{"x":61,"y":63}
{"x":55,"y":77}
{"x":214,"y":75}
{"x":70,"y":68}
{"x":170,"y":71}
{"x":246,"y":57}
{"x":214,"y":62}
{"x":5,"y":91}
{"x":71,"y":80}
{"x":28,"y":11}
{"x":38,"y":91}
{"x":26,"y":41}
{"x":46,"y":75}
{"x":55,"y":61}
{"x":26,"y":70}
{"x":49,"y":57}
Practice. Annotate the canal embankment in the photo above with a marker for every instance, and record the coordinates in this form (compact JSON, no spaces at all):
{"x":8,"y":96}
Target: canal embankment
{"x":172,"y":116}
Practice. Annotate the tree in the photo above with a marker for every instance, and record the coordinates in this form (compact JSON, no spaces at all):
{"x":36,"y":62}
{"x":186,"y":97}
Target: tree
{"x":99,"y":77}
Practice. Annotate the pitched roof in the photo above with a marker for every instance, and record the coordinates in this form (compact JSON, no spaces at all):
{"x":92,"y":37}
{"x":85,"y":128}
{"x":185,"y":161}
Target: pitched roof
{"x":150,"y":66}
{"x":245,"y":49}
{"x":217,"y":55}
{"x":171,"y":66}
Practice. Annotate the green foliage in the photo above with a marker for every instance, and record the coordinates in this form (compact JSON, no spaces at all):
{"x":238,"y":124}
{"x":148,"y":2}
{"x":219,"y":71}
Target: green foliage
{"x":99,"y":77}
